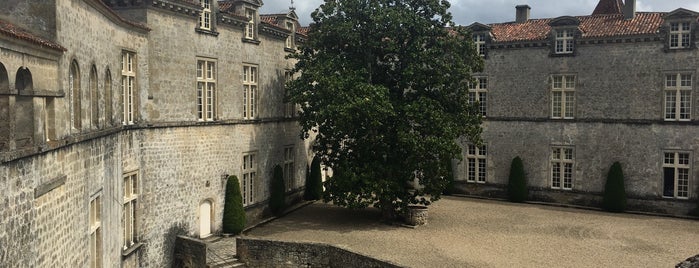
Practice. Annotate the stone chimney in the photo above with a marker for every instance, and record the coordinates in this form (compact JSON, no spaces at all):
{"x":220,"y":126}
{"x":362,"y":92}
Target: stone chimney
{"x":629,"y":9}
{"x":522,"y":13}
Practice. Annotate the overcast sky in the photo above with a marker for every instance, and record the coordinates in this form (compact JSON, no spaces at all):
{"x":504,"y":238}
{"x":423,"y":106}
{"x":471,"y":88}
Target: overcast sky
{"x":466,"y":12}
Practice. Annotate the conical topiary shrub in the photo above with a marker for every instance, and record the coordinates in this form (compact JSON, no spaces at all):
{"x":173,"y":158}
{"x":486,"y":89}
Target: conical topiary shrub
{"x":314,"y":183}
{"x":614,"y":193}
{"x":449,"y":188}
{"x":277,"y":200}
{"x":233,"y":212}
{"x":517,"y":185}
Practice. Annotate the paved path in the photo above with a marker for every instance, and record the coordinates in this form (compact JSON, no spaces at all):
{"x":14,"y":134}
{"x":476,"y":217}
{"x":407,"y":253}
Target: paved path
{"x":464,"y":232}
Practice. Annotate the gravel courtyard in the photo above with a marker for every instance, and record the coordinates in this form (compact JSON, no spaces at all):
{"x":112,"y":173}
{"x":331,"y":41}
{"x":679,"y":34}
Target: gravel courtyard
{"x":464,"y":232}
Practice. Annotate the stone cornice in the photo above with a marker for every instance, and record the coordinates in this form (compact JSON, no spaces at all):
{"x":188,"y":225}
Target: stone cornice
{"x":274,"y":31}
{"x":178,"y":7}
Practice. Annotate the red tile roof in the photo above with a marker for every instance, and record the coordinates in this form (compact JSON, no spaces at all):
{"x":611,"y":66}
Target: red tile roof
{"x":608,"y":7}
{"x":590,"y":26}
{"x":13,"y":31}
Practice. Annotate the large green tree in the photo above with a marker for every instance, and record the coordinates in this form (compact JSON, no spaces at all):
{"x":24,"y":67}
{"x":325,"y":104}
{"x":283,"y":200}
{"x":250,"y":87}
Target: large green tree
{"x":383,"y":85}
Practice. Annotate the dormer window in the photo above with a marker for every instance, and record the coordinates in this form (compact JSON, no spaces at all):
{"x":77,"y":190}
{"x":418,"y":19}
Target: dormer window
{"x":205,"y":16}
{"x":250,"y":27}
{"x":564,"y":42}
{"x":680,"y":35}
{"x":479,"y":41}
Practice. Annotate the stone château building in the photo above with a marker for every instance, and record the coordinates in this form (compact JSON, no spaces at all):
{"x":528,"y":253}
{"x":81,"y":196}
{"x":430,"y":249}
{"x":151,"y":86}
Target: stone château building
{"x":573,"y":94}
{"x":120,"y":121}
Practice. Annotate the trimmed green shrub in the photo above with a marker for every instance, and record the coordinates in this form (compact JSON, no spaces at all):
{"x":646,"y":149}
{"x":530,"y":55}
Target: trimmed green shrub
{"x":614,"y":199}
{"x":517,"y":185}
{"x":695,"y":211}
{"x":233,"y":212}
{"x":314,"y":183}
{"x":277,"y":200}
{"x":449,"y":188}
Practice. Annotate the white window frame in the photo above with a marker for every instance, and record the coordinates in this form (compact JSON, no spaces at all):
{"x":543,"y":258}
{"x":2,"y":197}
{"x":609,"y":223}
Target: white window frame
{"x":289,"y":170}
{"x":678,"y":97}
{"x":95,"y":221}
{"x":680,"y":35}
{"x":205,"y":16}
{"x":249,"y":178}
{"x":206,"y":90}
{"x":130,"y":190}
{"x":563,"y":96}
{"x":565,"y":42}
{"x":478,"y":92}
{"x":128,"y":84}
{"x":562,"y":167}
{"x":251,"y":14}
{"x":250,"y":90}
{"x":290,"y":39}
{"x":476,"y":163}
{"x":479,"y":40}
{"x":681,"y":163}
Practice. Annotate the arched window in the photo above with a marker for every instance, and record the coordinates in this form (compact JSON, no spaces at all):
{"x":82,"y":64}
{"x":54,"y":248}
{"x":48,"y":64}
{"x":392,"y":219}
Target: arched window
{"x":4,"y":113}
{"x":94,"y":98}
{"x":74,"y":86}
{"x":23,"y":80}
{"x":108,"y":98}
{"x":24,"y":110}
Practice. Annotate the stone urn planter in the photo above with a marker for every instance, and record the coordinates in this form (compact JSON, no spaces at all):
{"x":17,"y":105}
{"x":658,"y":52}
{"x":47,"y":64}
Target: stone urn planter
{"x":416,"y":215}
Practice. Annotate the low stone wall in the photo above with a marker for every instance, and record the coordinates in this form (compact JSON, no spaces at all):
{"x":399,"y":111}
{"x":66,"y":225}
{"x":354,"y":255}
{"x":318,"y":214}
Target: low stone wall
{"x":269,"y":253}
{"x":189,"y":253}
{"x":691,"y":262}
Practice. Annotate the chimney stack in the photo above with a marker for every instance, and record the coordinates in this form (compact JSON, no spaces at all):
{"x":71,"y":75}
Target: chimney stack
{"x":629,"y":9}
{"x":523,"y":13}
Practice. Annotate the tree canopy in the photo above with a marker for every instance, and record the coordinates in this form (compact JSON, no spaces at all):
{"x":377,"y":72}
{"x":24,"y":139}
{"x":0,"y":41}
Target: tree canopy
{"x":383,"y":87}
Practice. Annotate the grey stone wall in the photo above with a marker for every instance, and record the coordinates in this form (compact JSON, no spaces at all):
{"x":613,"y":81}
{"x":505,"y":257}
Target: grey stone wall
{"x":619,"y":116}
{"x":268,"y":253}
{"x":189,"y":253}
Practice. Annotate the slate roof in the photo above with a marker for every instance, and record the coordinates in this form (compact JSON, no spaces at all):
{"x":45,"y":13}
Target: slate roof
{"x":593,"y":26}
{"x":14,"y":31}
{"x":608,"y":7}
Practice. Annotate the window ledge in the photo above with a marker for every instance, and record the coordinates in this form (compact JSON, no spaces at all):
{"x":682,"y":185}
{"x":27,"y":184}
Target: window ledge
{"x":133,"y":248}
{"x":251,"y":41}
{"x":205,"y":31}
{"x":571,"y":54}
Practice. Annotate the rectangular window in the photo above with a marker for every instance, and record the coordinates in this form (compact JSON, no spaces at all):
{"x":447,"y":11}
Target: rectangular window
{"x":680,"y":35}
{"x":479,"y":41}
{"x":249,"y":178}
{"x":205,"y":16}
{"x":129,"y":216}
{"x":289,"y":106}
{"x":476,"y":158}
{"x":562,"y":161}
{"x":249,"y":91}
{"x":478,"y":93}
{"x":96,"y":232}
{"x":250,"y":27}
{"x":563,"y":97}
{"x":678,"y":97}
{"x":206,"y":90}
{"x":290,"y":38}
{"x":128,"y":77}
{"x":564,"y":42}
{"x":289,"y":177}
{"x":676,"y":170}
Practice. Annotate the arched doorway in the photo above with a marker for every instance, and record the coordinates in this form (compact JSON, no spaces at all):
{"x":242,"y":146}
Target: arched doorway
{"x":205,"y":218}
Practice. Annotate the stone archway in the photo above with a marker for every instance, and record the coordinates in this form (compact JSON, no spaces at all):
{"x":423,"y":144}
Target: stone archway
{"x":24,"y":109}
{"x":4,"y":109}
